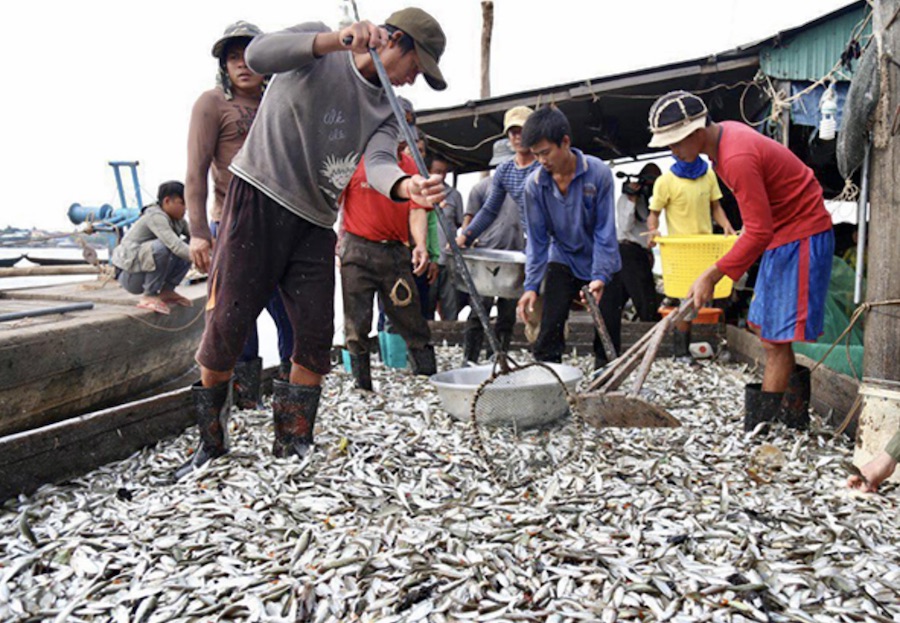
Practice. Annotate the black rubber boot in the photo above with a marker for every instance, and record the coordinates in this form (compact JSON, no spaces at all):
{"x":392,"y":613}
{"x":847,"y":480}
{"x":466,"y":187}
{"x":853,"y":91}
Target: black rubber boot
{"x":212,"y":408}
{"x":247,"y":375}
{"x":422,"y":362}
{"x":760,"y":406}
{"x":284,"y":371}
{"x":472,"y":342}
{"x":294,"y":408}
{"x":795,"y":408}
{"x":360,"y":366}
{"x":681,"y":342}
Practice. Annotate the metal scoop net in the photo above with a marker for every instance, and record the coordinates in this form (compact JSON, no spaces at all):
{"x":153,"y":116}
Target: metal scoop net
{"x":513,"y":456}
{"x":526,"y":422}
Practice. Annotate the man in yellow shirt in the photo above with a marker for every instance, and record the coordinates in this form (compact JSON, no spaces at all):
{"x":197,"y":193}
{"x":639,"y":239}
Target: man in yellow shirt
{"x":689,"y":193}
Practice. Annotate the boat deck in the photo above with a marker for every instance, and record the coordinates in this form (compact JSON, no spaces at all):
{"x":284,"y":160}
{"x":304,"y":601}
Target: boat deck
{"x":58,"y":365}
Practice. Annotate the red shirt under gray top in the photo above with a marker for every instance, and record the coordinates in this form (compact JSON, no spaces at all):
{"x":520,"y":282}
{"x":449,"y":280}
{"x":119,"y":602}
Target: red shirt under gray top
{"x":779,"y":197}
{"x":370,"y":215}
{"x":317,"y":118}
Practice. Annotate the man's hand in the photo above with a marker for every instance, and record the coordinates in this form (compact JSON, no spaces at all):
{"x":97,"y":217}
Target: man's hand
{"x":596,"y":288}
{"x":651,"y":237}
{"x":461,"y":241}
{"x":362,"y":36}
{"x":201,"y":253}
{"x":702,"y":289}
{"x":433,"y":270}
{"x":729,"y":231}
{"x":426,"y":192}
{"x":873,"y":473}
{"x":419,"y":259}
{"x":526,"y":303}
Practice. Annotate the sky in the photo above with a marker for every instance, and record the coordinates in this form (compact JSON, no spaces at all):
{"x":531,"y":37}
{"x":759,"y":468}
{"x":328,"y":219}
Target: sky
{"x":109,"y":80}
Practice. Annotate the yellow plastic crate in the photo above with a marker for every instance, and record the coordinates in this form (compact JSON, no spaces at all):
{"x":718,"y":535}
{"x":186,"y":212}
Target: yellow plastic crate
{"x":684,"y":258}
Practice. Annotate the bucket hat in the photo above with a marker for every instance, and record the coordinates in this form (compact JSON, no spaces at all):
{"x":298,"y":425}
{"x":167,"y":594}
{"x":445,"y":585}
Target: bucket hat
{"x":515,"y":116}
{"x":237,"y":30}
{"x":502,"y":152}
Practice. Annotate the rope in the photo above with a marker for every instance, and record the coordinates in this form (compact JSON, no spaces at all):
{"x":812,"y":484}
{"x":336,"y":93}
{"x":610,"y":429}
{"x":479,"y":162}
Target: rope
{"x":857,"y":314}
{"x":462,"y":147}
{"x":25,"y":243}
{"x":849,"y":193}
{"x":168,"y":329}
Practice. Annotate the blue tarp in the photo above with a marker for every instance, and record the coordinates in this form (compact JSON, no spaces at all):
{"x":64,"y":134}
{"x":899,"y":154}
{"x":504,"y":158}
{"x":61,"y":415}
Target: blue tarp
{"x":805,"y":110}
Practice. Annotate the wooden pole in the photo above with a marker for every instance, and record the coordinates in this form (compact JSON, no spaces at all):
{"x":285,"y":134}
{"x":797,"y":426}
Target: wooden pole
{"x":880,"y":416}
{"x":33,"y":271}
{"x":487,"y":27}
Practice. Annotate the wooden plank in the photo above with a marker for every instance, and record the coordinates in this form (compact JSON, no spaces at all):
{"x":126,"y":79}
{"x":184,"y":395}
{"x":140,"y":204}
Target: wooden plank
{"x":581,"y":334}
{"x":52,"y":367}
{"x":80,"y":444}
{"x":833,"y":393}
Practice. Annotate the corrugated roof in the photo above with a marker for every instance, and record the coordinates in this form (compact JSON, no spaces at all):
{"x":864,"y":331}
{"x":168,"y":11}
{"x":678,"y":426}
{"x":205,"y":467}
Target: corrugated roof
{"x":811,"y":52}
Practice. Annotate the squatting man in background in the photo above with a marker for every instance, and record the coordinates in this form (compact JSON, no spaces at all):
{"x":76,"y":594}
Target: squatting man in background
{"x":323,"y":109}
{"x":153,"y":258}
{"x":785,"y":222}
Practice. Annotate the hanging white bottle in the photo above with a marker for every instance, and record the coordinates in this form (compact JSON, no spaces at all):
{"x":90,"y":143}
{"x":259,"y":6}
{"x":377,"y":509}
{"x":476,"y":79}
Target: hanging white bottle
{"x":828,"y":108}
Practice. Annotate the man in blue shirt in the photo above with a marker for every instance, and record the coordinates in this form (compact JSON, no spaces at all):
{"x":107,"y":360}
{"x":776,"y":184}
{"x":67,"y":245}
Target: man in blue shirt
{"x":571,"y":226}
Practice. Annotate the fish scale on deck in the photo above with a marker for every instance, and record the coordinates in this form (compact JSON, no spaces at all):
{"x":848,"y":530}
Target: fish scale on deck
{"x":393,"y":519}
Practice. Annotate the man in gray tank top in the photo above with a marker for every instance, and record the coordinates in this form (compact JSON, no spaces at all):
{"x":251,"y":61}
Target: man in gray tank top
{"x":323,"y":109}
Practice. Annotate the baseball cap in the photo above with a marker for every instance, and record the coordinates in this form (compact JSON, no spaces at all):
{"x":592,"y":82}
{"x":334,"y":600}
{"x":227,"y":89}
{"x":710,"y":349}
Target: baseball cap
{"x":515,"y":116}
{"x":675,"y":116}
{"x":429,"y":39}
{"x":502,"y":152}
{"x":237,"y":30}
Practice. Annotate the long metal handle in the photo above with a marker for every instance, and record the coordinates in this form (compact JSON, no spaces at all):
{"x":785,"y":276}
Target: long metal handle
{"x":474,"y":298}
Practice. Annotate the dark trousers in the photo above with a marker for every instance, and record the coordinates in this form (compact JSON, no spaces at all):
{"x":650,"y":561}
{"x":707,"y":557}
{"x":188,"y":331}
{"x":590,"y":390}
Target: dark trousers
{"x":275,"y":307}
{"x":561,"y":287}
{"x":635,"y":282}
{"x":504,"y":324}
{"x":262,"y":246}
{"x":368,"y":268}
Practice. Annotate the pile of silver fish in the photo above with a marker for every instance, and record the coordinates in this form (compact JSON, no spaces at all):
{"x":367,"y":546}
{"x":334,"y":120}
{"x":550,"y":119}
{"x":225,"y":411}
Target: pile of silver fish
{"x":396,"y":518}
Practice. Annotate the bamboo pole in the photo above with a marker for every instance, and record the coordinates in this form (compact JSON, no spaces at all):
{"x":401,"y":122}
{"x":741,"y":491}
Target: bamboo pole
{"x":40,"y":271}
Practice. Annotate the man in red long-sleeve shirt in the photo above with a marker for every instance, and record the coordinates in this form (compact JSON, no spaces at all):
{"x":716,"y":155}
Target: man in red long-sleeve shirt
{"x":785,"y":222}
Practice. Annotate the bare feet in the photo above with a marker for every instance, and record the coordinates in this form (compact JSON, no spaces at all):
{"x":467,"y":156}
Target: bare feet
{"x":874,"y":473}
{"x":154,"y":303}
{"x":173,"y":298}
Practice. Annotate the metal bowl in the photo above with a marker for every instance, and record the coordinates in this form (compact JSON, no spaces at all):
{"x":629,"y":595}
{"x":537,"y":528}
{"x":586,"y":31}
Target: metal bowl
{"x":495,"y":272}
{"x":526,"y":398}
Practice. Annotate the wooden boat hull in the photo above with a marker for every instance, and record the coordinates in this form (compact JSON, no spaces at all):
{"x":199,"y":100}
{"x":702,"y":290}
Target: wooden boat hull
{"x":58,"y":366}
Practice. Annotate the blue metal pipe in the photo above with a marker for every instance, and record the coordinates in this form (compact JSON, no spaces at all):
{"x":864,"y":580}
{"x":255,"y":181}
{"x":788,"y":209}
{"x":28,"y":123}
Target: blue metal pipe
{"x":78,"y":213}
